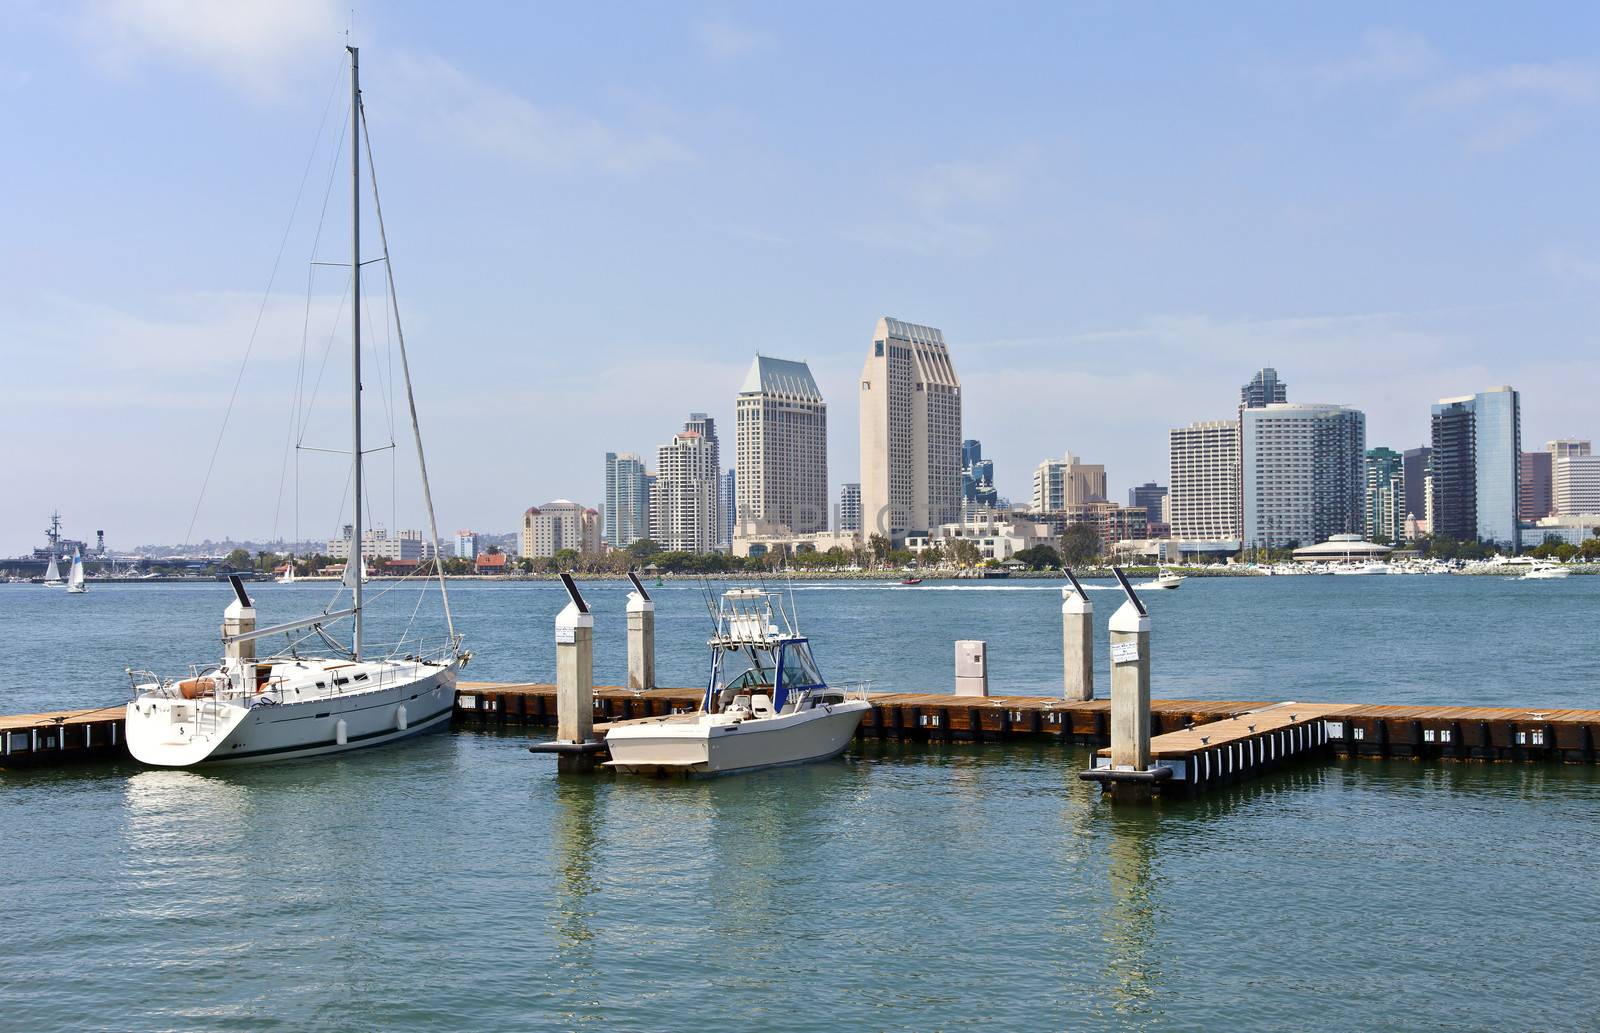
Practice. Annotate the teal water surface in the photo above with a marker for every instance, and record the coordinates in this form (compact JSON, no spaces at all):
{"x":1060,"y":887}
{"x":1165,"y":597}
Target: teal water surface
{"x":459,"y":884}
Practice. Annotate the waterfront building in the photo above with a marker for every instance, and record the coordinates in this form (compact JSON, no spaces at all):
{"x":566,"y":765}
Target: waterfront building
{"x":850,"y":507}
{"x":377,"y":544}
{"x":1264,"y":389}
{"x":684,"y":503}
{"x":1204,"y":488}
{"x":1569,"y":529}
{"x":1534,"y":486}
{"x":1385,"y":495}
{"x":627,"y":500}
{"x":996,"y":535}
{"x":977,"y":477}
{"x":757,"y":544}
{"x":781,"y":437}
{"x":728,"y":499}
{"x":1152,"y":497}
{"x":1475,"y":467}
{"x":1060,"y":484}
{"x":1415,"y":464}
{"x":1302,"y":473}
{"x":1575,"y":484}
{"x":466,"y":545}
{"x":1567,"y":447}
{"x":558,"y":525}
{"x":910,"y":432}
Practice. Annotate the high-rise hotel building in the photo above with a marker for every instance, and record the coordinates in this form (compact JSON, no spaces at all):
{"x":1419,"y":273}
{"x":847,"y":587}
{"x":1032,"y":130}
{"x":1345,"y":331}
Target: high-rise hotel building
{"x":1303,"y":473}
{"x":1475,"y":468}
{"x":685,"y":509}
{"x":910,"y":432}
{"x":627,"y":505}
{"x":1204,"y":486}
{"x":781,"y":436}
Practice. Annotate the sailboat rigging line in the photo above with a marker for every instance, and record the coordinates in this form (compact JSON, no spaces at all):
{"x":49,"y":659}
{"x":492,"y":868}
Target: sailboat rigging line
{"x":405,"y":366}
{"x":327,"y":349}
{"x":261,"y":312}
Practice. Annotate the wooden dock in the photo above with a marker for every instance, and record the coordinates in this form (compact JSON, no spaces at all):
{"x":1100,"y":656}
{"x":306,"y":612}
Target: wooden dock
{"x":1206,"y":743}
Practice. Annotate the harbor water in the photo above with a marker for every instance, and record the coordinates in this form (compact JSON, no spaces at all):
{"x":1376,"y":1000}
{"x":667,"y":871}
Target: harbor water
{"x":456,"y":883}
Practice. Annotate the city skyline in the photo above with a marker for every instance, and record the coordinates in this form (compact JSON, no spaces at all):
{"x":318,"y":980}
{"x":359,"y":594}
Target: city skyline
{"x":141,"y":273}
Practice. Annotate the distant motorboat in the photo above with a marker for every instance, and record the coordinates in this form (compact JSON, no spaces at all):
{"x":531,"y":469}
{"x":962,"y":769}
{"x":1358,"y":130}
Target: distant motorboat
{"x":75,"y":585}
{"x":1166,"y":579}
{"x":1544,"y":572}
{"x":912,"y":581}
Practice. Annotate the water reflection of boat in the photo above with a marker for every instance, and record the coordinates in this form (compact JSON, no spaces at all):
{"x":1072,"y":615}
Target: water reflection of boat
{"x":776,"y":710}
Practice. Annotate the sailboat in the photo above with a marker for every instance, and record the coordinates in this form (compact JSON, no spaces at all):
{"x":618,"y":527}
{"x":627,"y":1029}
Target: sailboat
{"x":292,"y":704}
{"x":75,"y":575}
{"x":288,"y":573}
{"x":52,"y":576}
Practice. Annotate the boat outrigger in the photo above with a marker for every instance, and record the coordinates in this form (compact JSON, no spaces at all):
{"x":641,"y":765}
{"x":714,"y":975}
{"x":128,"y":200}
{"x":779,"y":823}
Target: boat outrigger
{"x":765,"y":705}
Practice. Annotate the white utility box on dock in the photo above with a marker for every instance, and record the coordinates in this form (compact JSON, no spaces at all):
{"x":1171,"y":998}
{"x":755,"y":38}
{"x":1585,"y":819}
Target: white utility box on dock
{"x":972,"y":667}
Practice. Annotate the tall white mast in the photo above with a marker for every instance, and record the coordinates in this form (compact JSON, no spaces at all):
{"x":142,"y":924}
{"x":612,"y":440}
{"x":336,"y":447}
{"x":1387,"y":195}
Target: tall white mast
{"x":355,"y":563}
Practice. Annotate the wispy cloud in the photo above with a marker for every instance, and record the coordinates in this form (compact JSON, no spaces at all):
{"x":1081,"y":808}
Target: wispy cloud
{"x":255,"y":46}
{"x":988,"y":182}
{"x":726,"y":41}
{"x":443,"y":102}
{"x":1494,"y":107}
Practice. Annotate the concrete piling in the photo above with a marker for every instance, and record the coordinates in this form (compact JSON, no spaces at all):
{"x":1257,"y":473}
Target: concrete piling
{"x":238,"y":619}
{"x":1130,"y":688}
{"x":641,"y":638}
{"x":1077,"y":645}
{"x":575,"y":685}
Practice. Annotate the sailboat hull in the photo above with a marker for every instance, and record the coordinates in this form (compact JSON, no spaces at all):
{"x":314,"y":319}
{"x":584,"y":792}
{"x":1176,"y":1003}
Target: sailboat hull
{"x":183,"y":733}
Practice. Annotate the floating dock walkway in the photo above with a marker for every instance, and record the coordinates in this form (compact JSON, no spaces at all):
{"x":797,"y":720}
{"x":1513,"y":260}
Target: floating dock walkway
{"x":1204,"y":744}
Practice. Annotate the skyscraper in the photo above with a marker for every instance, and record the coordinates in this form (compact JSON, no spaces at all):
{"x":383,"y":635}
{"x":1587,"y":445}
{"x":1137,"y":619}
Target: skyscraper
{"x":1385,"y":495}
{"x":1575,"y":484}
{"x":1148,"y":495}
{"x":1567,"y":447}
{"x":1060,"y":484}
{"x":977,"y":476}
{"x":910,"y":432}
{"x":729,"y":501}
{"x":685,"y":502}
{"x":1302,"y":473}
{"x":1415,"y":462}
{"x":850,"y":507}
{"x":1535,"y":498}
{"x":627,"y":503}
{"x":1476,"y":467}
{"x":781,"y":435}
{"x":466,"y":545}
{"x":1264,"y":389}
{"x":1204,"y":499}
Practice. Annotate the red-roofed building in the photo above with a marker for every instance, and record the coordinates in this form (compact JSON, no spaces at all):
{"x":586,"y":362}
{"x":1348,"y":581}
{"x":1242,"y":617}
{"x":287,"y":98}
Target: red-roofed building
{"x":493,"y":563}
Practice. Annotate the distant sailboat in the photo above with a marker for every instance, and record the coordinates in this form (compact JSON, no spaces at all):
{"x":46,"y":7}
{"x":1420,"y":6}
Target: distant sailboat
{"x":52,"y":577}
{"x":288,"y":574}
{"x":75,"y":578}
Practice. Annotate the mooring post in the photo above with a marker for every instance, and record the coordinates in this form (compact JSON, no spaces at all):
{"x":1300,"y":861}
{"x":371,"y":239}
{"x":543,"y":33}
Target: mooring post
{"x":641,"y":637}
{"x":1130,"y":688}
{"x":575,"y":683}
{"x":1077,"y":642}
{"x":239,"y":619}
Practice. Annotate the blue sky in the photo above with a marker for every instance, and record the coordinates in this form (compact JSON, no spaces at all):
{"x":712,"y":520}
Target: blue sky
{"x":599,"y":213}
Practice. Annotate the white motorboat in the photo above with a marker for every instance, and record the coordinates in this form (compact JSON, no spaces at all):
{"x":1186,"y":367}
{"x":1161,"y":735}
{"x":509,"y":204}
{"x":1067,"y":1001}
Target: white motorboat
{"x":766,"y":704}
{"x":293,"y":704}
{"x":1369,"y":567}
{"x":75,"y":584}
{"x":1544,"y":572}
{"x":1165,"y":579}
